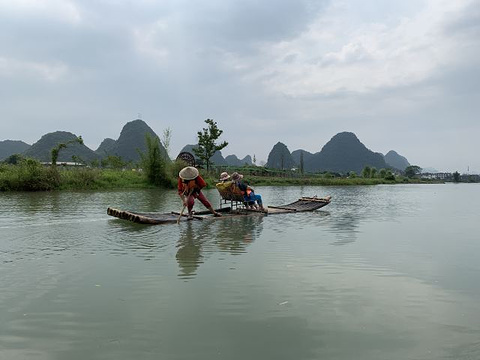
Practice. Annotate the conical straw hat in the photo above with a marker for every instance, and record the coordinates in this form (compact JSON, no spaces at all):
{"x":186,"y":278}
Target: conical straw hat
{"x":188,"y":173}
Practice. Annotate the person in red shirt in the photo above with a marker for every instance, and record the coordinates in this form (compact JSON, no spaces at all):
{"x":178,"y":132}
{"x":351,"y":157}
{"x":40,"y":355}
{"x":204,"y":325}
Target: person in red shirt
{"x":190,"y":185}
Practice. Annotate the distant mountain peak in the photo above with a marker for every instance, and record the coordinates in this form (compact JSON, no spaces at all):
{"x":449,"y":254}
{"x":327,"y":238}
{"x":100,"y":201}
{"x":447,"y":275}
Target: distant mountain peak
{"x":346,"y":135}
{"x":10,"y":147}
{"x":130,"y":142}
{"x":344,"y":153}
{"x":280,"y":157}
{"x":233,"y":160}
{"x":106,"y":146}
{"x":41,"y":150}
{"x":396,"y":160}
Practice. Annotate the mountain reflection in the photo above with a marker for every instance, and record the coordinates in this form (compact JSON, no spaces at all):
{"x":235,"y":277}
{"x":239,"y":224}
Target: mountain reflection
{"x":198,"y":241}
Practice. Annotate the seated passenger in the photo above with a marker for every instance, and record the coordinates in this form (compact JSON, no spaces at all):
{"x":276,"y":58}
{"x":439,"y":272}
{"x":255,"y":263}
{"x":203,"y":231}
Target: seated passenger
{"x":224,"y":177}
{"x":251,"y":199}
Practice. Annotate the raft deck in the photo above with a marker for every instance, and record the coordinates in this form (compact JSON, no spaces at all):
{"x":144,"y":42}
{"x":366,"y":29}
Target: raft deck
{"x":301,"y":205}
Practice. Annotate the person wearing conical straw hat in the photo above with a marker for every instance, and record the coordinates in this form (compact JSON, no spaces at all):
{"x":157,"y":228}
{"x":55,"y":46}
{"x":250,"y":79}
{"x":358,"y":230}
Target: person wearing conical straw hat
{"x":190,"y":185}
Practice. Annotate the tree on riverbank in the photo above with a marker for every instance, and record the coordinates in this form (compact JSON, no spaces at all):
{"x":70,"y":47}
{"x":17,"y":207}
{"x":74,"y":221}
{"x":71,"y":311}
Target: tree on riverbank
{"x":412,"y":170}
{"x":207,"y":145}
{"x":154,"y":163}
{"x":456,"y":176}
{"x":56,"y":150}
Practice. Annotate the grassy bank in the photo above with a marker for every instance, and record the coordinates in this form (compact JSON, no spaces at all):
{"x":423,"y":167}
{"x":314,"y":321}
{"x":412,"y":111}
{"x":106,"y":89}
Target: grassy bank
{"x":96,"y":179}
{"x":30,"y":175}
{"x":321,"y":181}
{"x":34,"y":177}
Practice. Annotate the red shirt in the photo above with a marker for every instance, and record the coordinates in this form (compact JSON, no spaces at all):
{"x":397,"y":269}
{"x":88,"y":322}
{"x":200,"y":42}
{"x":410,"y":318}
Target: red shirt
{"x":193,"y":186}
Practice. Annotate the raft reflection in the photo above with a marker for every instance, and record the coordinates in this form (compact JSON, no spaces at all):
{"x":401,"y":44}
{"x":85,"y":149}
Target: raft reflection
{"x":198,"y":241}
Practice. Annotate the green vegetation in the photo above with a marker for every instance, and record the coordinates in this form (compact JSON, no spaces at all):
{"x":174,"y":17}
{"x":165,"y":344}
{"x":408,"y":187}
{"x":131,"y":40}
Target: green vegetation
{"x":110,"y":162}
{"x":112,"y":172}
{"x":14,"y":159}
{"x":165,"y":141}
{"x":273,"y":177}
{"x":156,"y":170}
{"x":56,"y":150}
{"x":30,"y":175}
{"x":207,"y":142}
{"x":96,"y":179}
{"x":154,"y":163}
{"x":456,"y":177}
{"x":412,"y":170}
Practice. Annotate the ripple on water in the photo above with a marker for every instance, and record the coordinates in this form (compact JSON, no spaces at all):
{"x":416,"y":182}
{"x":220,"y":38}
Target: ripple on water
{"x":242,"y":277}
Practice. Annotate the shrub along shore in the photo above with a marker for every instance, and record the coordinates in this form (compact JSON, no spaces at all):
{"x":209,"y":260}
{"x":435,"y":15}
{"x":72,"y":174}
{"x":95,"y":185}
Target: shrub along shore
{"x":30,"y":175}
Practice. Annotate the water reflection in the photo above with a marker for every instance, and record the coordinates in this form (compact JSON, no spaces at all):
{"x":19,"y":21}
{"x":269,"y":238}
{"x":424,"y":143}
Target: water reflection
{"x":235,"y":234}
{"x":344,"y":228}
{"x":198,"y":240}
{"x":189,"y":253}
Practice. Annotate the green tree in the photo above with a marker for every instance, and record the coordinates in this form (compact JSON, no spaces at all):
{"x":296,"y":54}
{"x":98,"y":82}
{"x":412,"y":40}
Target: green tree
{"x":373,"y":172}
{"x":153,"y":162}
{"x":114,"y":162}
{"x":77,"y":159}
{"x":366,"y":172}
{"x":207,"y":145}
{"x":352,"y":174}
{"x":14,"y":159}
{"x":165,"y":141}
{"x":456,"y":176}
{"x":412,"y":170}
{"x":56,"y":150}
{"x":382,"y":173}
{"x":389,"y":175}
{"x":95,"y":163}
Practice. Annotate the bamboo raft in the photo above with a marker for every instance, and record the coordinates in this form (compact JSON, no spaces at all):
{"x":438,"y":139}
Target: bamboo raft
{"x":303,"y":204}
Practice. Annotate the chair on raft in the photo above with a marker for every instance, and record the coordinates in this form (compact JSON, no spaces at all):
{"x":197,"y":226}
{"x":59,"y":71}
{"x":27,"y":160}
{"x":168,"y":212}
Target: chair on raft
{"x":230,"y":194}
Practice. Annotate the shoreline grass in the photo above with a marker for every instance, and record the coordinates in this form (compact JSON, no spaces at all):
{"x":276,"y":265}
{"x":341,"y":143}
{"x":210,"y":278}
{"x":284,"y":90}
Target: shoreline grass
{"x":102,"y":179}
{"x":31,"y":176}
{"x":318,"y":180}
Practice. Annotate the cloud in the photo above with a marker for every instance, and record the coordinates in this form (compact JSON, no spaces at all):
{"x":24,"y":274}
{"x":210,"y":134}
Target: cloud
{"x":58,"y":10}
{"x":330,"y":57}
{"x":147,"y":42}
{"x":44,"y":71}
{"x":394,"y":72}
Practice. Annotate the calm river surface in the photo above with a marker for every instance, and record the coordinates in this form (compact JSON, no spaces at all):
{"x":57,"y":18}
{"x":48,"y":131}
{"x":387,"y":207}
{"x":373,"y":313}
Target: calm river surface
{"x":383,"y":272}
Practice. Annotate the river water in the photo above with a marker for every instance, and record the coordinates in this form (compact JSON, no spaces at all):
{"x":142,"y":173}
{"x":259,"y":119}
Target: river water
{"x":383,"y":272}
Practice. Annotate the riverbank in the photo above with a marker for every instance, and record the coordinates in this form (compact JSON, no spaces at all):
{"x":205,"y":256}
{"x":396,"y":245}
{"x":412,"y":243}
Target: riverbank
{"x":325,"y":181}
{"x":32,"y":177}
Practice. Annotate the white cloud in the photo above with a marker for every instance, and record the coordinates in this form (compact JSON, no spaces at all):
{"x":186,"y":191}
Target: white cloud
{"x":16,"y":68}
{"x":148,"y":41}
{"x":60,"y":10}
{"x":332,"y":56}
{"x":394,"y":72}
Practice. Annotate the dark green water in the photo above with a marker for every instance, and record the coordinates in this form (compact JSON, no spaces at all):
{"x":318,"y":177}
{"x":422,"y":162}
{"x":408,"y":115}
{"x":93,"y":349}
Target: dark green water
{"x":384,"y":272}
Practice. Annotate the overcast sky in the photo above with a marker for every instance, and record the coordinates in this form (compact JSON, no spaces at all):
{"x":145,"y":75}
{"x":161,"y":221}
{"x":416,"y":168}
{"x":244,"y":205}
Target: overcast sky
{"x":401,"y":75}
